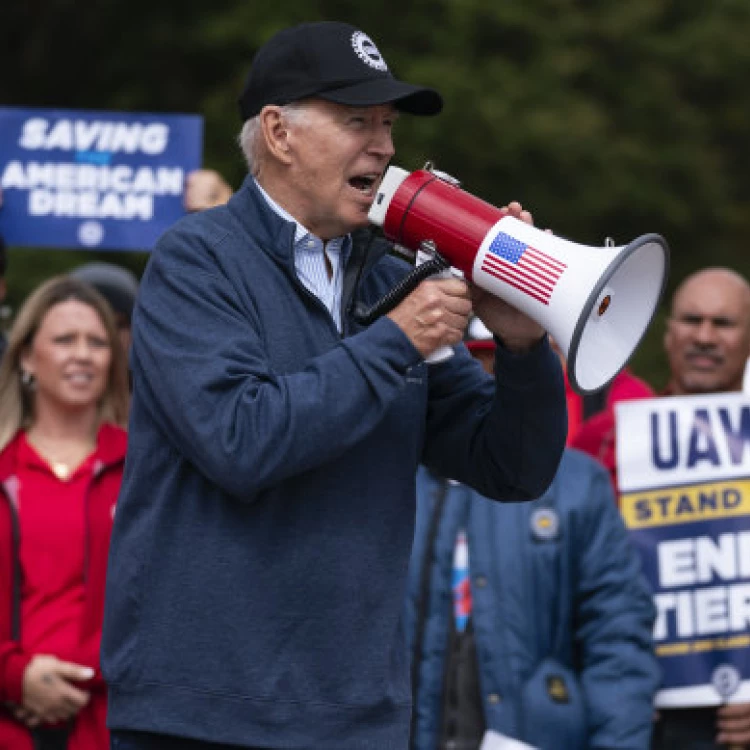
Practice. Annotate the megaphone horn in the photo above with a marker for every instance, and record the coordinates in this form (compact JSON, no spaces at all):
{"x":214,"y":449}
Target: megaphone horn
{"x":596,"y":302}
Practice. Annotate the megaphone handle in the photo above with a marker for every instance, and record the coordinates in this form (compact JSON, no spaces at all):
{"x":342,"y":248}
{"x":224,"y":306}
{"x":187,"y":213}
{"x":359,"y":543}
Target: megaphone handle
{"x":440,"y":355}
{"x":443,"y":352}
{"x":427,"y":251}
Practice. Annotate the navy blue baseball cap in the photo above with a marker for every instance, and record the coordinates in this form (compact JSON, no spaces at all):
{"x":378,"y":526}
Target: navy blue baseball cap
{"x":332,"y":61}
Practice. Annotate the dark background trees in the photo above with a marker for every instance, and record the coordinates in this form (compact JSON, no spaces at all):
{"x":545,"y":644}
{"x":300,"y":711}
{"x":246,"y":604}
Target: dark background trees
{"x":608,"y":119}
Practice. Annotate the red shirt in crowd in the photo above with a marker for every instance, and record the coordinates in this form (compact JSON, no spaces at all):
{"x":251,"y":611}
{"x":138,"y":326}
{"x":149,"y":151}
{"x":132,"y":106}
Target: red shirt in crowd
{"x":52,"y":548}
{"x":54,"y":542}
{"x":596,"y":435}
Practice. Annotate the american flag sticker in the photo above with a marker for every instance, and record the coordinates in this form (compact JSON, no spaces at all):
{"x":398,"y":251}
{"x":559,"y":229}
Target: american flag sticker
{"x":521,"y":266}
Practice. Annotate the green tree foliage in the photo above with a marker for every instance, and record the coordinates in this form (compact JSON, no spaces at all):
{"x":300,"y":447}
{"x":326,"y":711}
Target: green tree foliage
{"x":607,"y":119}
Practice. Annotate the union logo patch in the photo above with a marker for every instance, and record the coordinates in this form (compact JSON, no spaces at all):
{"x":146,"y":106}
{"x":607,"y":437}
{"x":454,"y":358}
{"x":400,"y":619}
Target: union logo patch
{"x":367,"y":51}
{"x":545,"y":524}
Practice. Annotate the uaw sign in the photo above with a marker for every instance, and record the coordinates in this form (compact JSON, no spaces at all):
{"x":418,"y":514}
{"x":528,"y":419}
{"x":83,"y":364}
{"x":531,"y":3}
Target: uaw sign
{"x":684,"y":474}
{"x":109,"y":180}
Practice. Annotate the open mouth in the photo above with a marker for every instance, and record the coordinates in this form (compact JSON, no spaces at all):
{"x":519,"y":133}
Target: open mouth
{"x":79,"y":378}
{"x":365,"y":183}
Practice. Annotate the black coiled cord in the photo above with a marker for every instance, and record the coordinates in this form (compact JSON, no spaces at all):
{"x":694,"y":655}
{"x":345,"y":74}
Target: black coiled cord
{"x":406,"y":286}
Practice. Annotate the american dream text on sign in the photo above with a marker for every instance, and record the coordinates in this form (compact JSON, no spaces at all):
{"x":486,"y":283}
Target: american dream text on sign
{"x":89,"y":191}
{"x":521,"y":266}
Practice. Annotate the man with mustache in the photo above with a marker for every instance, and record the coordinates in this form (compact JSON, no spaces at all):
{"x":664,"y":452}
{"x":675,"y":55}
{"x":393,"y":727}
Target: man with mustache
{"x":707,"y":342}
{"x":708,"y":333}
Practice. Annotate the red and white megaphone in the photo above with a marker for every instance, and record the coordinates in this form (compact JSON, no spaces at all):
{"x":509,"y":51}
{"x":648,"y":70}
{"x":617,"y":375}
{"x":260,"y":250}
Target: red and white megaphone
{"x":596,"y":302}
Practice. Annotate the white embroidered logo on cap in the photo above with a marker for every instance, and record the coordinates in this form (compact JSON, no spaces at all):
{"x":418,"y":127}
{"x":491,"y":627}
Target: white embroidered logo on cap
{"x":367,"y":51}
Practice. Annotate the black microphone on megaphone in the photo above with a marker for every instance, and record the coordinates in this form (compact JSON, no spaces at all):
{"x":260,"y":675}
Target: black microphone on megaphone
{"x":596,"y":302}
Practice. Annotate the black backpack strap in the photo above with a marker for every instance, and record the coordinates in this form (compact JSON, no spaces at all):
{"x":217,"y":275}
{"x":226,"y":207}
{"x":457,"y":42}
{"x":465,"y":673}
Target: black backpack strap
{"x":423,"y":599}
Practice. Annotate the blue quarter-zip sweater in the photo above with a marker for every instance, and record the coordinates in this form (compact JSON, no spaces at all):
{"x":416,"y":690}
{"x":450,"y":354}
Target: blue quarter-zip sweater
{"x":262,"y":536}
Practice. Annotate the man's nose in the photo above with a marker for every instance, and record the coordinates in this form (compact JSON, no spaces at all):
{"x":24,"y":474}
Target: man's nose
{"x":705,"y":332}
{"x":382,"y":144}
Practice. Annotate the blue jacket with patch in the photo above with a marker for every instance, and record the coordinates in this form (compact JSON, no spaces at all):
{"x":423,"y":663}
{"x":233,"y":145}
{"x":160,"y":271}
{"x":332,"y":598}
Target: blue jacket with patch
{"x":562,"y":616}
{"x":262,"y":537}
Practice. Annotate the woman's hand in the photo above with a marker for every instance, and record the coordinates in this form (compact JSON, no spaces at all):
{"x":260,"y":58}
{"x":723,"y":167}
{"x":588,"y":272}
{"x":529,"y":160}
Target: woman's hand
{"x":29,"y":718}
{"x":49,"y":692}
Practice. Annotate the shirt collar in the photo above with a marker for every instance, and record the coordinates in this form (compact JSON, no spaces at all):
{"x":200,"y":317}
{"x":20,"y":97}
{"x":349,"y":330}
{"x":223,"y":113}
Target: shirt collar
{"x":299,"y":231}
{"x":303,"y":237}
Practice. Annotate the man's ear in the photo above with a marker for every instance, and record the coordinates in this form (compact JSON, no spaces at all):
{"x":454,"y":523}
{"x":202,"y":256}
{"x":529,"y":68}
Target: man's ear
{"x":275,"y":130}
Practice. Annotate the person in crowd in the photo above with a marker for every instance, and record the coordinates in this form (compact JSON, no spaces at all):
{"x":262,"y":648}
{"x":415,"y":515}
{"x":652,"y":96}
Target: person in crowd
{"x":63,"y":399}
{"x":707,"y":343}
{"x":3,"y":288}
{"x":707,"y":340}
{"x":205,"y":188}
{"x":529,"y":620}
{"x":254,"y":599}
{"x":119,"y":286}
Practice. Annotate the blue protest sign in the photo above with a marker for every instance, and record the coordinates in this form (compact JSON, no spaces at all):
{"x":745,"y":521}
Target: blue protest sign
{"x":91,"y":179}
{"x":684,"y":474}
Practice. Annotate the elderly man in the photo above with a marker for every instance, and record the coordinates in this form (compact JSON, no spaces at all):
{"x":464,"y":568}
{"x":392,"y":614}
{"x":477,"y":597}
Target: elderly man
{"x":262,"y":537}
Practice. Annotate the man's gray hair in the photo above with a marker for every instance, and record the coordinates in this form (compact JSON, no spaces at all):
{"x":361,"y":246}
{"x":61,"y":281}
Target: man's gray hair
{"x":251,"y":137}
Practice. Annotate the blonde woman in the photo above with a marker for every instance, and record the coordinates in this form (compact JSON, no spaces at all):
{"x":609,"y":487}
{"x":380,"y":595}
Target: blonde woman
{"x":63,"y":401}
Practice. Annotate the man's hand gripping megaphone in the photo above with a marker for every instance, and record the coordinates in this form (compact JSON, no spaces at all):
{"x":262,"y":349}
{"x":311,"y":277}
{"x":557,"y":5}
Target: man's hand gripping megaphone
{"x":438,"y":301}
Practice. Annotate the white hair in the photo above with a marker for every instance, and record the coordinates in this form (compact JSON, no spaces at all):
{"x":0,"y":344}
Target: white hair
{"x":250,"y":138}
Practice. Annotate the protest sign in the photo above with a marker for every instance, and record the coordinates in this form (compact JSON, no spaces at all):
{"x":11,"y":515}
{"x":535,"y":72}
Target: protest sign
{"x":684,"y":475}
{"x":90,"y":179}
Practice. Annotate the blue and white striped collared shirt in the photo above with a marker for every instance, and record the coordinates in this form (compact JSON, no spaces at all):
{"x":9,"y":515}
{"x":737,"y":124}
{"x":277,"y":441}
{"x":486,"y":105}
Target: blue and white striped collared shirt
{"x":309,"y":261}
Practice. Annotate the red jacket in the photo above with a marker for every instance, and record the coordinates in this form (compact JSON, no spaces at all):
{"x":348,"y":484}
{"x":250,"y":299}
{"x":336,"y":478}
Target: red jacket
{"x":596,"y":436}
{"x":89,"y":730}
